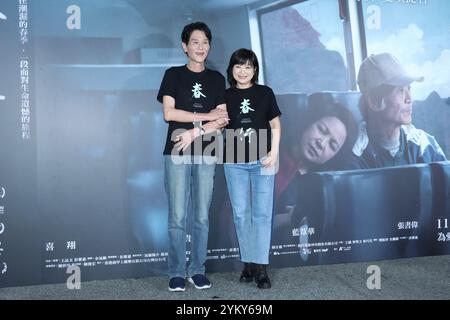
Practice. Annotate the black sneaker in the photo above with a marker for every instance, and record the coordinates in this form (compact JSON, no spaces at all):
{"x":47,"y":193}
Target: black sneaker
{"x":200,"y":281}
{"x":247,"y":274}
{"x":177,"y":284}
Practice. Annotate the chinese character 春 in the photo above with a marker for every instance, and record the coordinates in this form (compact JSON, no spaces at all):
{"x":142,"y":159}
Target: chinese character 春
{"x":197,"y":90}
{"x":245,"y":106}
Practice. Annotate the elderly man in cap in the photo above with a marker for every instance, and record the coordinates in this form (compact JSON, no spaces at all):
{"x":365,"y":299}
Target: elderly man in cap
{"x":386,"y":136}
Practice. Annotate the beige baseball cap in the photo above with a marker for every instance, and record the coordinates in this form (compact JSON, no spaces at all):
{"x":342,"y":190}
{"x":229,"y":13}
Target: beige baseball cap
{"x":380,"y":69}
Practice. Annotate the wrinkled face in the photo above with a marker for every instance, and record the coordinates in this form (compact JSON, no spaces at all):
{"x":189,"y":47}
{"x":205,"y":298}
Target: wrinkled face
{"x":243,"y":74}
{"x":398,"y":106}
{"x":198,"y":47}
{"x":322,"y":140}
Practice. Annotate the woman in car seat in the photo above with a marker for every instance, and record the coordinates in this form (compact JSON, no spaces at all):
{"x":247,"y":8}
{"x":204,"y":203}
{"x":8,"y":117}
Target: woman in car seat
{"x":322,"y":137}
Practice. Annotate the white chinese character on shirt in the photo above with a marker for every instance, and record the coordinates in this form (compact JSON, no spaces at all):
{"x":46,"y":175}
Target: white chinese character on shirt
{"x":247,"y":133}
{"x":245,"y":106}
{"x":197,"y":90}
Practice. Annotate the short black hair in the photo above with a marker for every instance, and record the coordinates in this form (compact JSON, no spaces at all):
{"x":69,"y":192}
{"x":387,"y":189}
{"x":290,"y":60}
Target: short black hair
{"x":188,"y":29}
{"x":241,"y":57}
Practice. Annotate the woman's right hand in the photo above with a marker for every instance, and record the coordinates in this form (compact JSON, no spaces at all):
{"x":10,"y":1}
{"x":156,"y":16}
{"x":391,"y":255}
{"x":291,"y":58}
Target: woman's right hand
{"x":222,"y":122}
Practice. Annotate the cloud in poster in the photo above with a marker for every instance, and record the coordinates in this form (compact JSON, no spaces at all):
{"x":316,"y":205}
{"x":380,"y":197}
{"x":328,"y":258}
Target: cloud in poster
{"x":406,"y":44}
{"x":437,"y":76}
{"x":409,"y":46}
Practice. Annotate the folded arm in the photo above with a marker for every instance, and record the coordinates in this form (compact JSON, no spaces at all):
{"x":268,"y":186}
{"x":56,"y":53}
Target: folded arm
{"x":173,"y":114}
{"x":185,"y":139}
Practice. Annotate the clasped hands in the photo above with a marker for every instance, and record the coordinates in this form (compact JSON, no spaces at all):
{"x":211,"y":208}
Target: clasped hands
{"x":218,"y":116}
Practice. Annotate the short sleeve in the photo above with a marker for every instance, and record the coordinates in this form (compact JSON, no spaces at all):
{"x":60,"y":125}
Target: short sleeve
{"x":220,"y":90}
{"x":167,"y":87}
{"x":274,"y":111}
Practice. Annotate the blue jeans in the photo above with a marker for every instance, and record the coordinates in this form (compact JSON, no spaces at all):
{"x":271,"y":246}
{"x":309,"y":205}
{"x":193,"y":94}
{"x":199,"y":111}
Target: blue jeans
{"x":182,"y":181}
{"x":251,"y":194}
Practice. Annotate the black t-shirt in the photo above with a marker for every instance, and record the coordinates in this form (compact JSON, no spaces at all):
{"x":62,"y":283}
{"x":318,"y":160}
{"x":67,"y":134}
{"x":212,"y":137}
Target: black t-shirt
{"x":250,"y":111}
{"x":193,"y":92}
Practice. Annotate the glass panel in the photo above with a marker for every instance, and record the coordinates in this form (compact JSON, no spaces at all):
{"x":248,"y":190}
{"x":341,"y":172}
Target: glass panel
{"x":417,"y":32}
{"x":304,"y":47}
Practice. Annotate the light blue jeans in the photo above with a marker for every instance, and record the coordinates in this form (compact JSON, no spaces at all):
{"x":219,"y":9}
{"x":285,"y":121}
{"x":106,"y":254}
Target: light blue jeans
{"x":251,"y":190}
{"x":184,"y":181}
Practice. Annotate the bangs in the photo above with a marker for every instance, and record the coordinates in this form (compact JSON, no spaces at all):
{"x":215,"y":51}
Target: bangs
{"x":244,"y":60}
{"x":245,"y":57}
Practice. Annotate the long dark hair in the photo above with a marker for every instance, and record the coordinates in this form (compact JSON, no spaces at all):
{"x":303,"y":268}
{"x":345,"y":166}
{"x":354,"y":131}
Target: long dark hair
{"x":241,"y":57}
